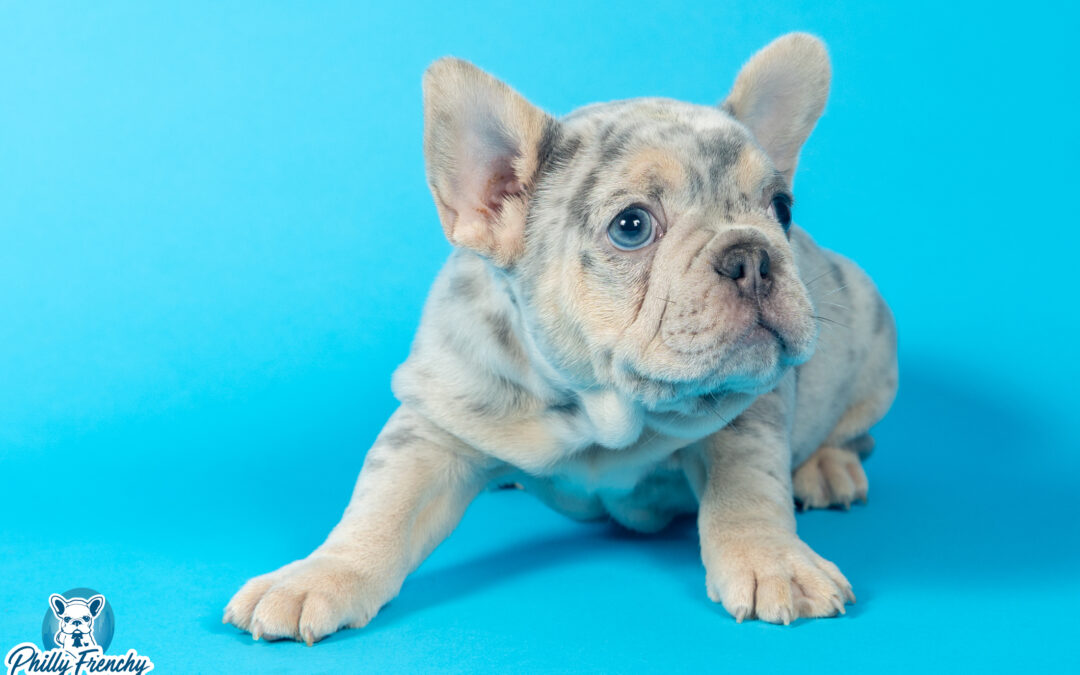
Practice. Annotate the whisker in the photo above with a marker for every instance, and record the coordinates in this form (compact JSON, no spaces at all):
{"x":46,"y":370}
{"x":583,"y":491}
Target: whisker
{"x":808,"y":283}
{"x":834,"y":304}
{"x":832,"y":321}
{"x":715,"y":410}
{"x":655,"y":433}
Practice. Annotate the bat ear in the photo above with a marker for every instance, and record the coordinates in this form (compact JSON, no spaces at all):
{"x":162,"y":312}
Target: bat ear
{"x":483,"y":144}
{"x":95,"y":604}
{"x":58,"y":604}
{"x":780,"y":94}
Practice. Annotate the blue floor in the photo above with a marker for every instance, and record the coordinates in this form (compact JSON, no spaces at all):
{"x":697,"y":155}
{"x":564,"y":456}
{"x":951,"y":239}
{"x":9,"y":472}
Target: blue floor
{"x":216,"y":237}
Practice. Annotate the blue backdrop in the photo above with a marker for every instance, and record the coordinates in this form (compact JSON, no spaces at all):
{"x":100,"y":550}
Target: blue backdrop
{"x":216,"y":236}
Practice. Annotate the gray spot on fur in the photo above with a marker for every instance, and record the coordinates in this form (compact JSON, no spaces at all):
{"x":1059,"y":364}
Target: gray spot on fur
{"x":655,"y":191}
{"x":568,"y":406}
{"x":836,"y":272}
{"x":616,"y":146}
{"x":881,"y":313}
{"x":464,"y":287}
{"x":397,"y":438}
{"x":696,"y":182}
{"x":546,"y":148}
{"x":509,"y":399}
{"x":484,"y":409}
{"x":562,"y":153}
{"x":578,"y":211}
{"x":504,"y":333}
{"x":373,"y":462}
{"x":722,"y":151}
{"x":606,"y":132}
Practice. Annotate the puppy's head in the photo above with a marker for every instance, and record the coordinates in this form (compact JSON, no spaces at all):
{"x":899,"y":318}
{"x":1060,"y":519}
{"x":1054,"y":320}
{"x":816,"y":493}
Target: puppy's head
{"x":646,"y":240}
{"x":77,"y":614}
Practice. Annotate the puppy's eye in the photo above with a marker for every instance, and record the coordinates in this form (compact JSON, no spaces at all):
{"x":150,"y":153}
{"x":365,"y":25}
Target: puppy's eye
{"x":632,"y":229}
{"x":67,"y":619}
{"x":86,"y":618}
{"x":780,"y":208}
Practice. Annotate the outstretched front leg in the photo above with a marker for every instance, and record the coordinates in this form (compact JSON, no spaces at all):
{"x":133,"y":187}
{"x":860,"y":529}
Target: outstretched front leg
{"x":755,"y":563}
{"x":414,"y":487}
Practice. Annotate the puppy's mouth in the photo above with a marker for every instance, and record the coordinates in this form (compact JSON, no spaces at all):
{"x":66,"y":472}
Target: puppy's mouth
{"x":750,"y":360}
{"x":758,"y":333}
{"x":794,"y":345}
{"x":787,"y":345}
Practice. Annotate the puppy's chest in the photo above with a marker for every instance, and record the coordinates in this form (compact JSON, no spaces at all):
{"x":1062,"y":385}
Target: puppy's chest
{"x":660,"y":437}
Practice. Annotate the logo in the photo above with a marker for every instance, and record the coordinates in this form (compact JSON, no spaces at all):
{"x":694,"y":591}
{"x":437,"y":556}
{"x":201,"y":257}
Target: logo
{"x":76,"y":631}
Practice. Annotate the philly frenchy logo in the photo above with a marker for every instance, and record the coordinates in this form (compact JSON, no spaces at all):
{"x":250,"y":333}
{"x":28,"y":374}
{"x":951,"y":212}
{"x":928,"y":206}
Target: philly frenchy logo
{"x":76,"y":631}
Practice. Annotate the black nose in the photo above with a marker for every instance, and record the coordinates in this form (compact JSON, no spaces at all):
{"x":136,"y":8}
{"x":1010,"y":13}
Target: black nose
{"x":748,"y":267}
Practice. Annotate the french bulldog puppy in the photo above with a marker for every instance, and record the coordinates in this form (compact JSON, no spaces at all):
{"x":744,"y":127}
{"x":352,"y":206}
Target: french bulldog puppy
{"x":629,"y":327}
{"x":76,"y":617}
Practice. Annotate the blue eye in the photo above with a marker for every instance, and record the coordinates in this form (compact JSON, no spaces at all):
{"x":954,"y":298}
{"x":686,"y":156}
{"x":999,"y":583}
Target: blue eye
{"x":632,"y":229}
{"x":781,"y":210}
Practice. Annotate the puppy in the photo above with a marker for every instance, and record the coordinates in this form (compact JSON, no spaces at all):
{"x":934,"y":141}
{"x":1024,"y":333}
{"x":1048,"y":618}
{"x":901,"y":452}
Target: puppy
{"x":630,"y":327}
{"x":76,"y":616}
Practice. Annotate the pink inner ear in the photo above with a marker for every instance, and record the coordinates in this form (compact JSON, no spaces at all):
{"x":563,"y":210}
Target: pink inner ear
{"x":501,"y":184}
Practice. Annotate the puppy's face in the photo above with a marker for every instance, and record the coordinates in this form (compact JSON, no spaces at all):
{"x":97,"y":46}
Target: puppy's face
{"x":76,"y":615}
{"x":646,"y":239}
{"x":656,"y":254}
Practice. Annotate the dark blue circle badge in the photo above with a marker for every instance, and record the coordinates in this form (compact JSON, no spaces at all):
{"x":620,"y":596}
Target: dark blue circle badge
{"x":79,"y":619}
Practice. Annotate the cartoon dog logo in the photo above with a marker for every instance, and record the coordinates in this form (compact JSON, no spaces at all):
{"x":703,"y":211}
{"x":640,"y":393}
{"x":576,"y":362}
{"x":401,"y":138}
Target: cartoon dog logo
{"x":76,"y":617}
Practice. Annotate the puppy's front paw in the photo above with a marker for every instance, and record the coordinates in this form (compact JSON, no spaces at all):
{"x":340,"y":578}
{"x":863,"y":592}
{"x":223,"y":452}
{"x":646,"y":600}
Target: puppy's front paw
{"x":775,"y":578}
{"x":830,"y":477}
{"x":305,"y":600}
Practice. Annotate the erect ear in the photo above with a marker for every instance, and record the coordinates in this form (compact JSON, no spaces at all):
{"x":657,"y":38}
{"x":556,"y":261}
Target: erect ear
{"x":779,"y":95}
{"x":58,"y":604}
{"x":483,"y":145}
{"x":95,"y":604}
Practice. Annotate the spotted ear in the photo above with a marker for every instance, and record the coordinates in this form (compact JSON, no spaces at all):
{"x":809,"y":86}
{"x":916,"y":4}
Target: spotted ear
{"x":58,"y":604}
{"x":780,"y":94}
{"x":483,"y":144}
{"x":95,"y":603}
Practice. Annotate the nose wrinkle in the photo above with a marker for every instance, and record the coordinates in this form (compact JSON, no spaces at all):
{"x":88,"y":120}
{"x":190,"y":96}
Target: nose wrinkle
{"x":701,"y":249}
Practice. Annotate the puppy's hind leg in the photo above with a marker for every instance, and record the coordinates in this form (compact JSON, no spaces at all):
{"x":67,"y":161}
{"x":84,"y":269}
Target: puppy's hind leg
{"x":414,"y":487}
{"x":832,"y":477}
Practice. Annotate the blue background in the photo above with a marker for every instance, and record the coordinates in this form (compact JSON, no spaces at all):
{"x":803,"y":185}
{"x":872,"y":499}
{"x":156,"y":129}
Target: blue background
{"x":216,"y":236}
